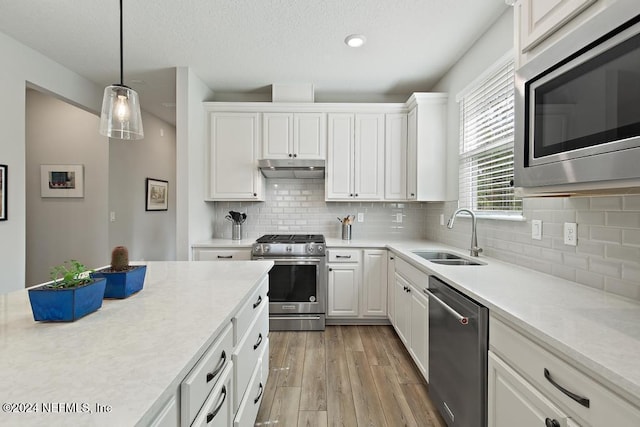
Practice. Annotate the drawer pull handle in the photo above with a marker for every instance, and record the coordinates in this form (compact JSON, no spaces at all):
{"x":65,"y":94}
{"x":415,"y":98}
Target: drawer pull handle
{"x":343,"y":256}
{"x":257,"y":344}
{"x":259,"y":394}
{"x":225,"y":256}
{"x":212,"y":415}
{"x":215,"y":372}
{"x":551,"y":423}
{"x":581,"y":400}
{"x":258,"y":301}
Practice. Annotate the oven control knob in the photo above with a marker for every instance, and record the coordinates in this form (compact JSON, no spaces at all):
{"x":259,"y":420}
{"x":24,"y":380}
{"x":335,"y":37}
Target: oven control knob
{"x":320,"y":248}
{"x":289,"y":249}
{"x":310,"y":249}
{"x":266,"y":249}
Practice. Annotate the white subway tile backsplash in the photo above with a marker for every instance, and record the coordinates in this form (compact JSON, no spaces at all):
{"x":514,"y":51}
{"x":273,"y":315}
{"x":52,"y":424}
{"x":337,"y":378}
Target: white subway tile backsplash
{"x":613,"y":203}
{"x":605,"y":267}
{"x":604,"y":234}
{"x":590,"y":217}
{"x":631,"y":237}
{"x":623,"y":219}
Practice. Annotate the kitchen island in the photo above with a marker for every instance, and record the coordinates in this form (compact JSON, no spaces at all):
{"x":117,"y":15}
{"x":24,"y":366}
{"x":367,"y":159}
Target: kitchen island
{"x":119,"y":365}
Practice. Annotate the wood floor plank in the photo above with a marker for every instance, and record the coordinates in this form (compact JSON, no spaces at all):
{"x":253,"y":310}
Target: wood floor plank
{"x":341,"y":411}
{"x":312,"y":419}
{"x":365,"y":399}
{"x":351,"y":338}
{"x":372,"y":345}
{"x":277,"y":348}
{"x":314,"y":376}
{"x":293,"y":365}
{"x":399,"y":357}
{"x":421,"y":405}
{"x":396,"y":409}
{"x":284,"y":410}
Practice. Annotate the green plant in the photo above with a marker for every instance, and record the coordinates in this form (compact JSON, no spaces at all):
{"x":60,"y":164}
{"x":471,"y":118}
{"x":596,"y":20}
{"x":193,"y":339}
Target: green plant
{"x":119,"y":259}
{"x":70,"y":274}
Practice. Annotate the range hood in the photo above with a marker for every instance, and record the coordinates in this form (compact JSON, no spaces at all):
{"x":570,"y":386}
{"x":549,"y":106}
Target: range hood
{"x":291,"y":168}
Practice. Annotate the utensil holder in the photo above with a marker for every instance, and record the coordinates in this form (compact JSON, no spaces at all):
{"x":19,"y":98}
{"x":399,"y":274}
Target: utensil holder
{"x":236,"y":231}
{"x":346,"y":231}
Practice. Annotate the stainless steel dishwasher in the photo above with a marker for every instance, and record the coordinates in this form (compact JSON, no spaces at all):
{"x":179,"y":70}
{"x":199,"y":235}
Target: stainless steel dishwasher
{"x":458,"y":343}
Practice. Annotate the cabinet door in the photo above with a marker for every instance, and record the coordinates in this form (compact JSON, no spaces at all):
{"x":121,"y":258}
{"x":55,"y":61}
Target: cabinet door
{"x":395,"y":168}
{"x":412,"y":153}
{"x":374,"y":286}
{"x":309,"y":136}
{"x":369,"y":156}
{"x":217,"y":410}
{"x":339,"y":182}
{"x":203,"y":254}
{"x":420,"y":330}
{"x":277,"y":135}
{"x":344,"y":281}
{"x":391,"y":279}
{"x":402,"y":318}
{"x":234,"y":145}
{"x":513,"y":401}
{"x":541,"y":18}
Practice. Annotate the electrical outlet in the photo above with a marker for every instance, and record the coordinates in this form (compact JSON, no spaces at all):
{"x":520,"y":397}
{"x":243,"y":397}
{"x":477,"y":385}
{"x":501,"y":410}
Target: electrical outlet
{"x":441,"y":219}
{"x":398,"y":217}
{"x":536,"y":229}
{"x":360,"y":217}
{"x":112,"y":216}
{"x":570,"y":233}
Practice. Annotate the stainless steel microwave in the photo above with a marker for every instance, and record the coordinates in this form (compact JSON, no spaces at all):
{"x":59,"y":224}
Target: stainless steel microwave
{"x":577,"y":114}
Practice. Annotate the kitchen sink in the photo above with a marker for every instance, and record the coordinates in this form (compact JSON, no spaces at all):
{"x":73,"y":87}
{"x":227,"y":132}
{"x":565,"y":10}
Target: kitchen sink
{"x":445,"y":258}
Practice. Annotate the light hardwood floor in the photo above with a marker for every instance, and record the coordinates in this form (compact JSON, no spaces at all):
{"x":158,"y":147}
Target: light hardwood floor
{"x":344,"y":376}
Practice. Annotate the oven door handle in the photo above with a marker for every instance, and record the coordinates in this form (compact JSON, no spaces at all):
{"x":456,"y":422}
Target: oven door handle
{"x":462,"y":319}
{"x":301,"y":260}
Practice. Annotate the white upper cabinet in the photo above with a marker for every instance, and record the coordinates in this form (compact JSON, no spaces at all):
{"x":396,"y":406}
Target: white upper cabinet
{"x":427,"y":147}
{"x":355,"y":164}
{"x":234,"y":143}
{"x":293,"y":135}
{"x":395,"y":169}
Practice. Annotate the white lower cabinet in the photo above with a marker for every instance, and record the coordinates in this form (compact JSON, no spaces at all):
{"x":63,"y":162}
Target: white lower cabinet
{"x":411,"y":317}
{"x":528,"y":383}
{"x":391,"y":278}
{"x":217,"y":410}
{"x":357,"y":283}
{"x":169,"y":415}
{"x":250,"y":404}
{"x":211,"y":254}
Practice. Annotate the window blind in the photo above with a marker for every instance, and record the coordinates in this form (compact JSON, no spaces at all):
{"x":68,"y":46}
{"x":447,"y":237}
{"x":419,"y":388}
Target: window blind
{"x":486,"y":144}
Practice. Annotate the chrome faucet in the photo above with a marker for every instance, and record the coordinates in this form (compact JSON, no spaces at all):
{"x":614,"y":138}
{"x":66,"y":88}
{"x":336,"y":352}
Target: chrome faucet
{"x":475,"y":250}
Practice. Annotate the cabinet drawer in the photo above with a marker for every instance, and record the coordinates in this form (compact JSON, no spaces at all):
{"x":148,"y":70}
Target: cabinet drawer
{"x":412,"y":274}
{"x":217,"y":411}
{"x":196,"y":386}
{"x":168,"y":416}
{"x":598,"y":407}
{"x":246,"y":415}
{"x":247,"y":353}
{"x":343,"y":255}
{"x":247,"y":313}
{"x":221,"y":254}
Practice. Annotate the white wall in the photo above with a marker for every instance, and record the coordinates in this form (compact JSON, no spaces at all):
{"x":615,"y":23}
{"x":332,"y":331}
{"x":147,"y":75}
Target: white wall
{"x":59,"y":229}
{"x":149,"y":235}
{"x":22,"y":65}
{"x":194,"y":216}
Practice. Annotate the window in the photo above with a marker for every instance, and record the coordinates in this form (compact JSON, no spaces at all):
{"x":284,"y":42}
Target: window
{"x":486,"y":144}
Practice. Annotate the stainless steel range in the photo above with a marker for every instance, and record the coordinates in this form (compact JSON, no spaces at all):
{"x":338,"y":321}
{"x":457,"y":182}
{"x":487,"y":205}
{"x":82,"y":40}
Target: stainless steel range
{"x":297,"y":281}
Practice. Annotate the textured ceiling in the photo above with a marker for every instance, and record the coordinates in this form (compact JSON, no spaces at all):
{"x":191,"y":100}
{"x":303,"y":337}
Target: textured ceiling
{"x":246,"y":45}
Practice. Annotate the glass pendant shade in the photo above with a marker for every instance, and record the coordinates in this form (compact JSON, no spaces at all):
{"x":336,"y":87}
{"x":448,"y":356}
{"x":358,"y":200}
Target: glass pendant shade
{"x":121,"y":117}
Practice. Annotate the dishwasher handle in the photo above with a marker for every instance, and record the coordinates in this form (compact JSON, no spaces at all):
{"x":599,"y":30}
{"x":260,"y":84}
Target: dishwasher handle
{"x":462,"y":319}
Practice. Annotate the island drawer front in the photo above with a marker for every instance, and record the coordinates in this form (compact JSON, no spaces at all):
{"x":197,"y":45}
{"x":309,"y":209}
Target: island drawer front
{"x":222,"y":254}
{"x":248,"y":410}
{"x":217,"y":411}
{"x":247,"y":353}
{"x":343,"y":255}
{"x":531,"y":361}
{"x":247,"y":313}
{"x":203,"y":377}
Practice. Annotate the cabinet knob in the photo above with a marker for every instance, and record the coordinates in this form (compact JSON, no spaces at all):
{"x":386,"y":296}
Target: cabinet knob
{"x":255,"y":194}
{"x":391,"y":258}
{"x":350,"y":194}
{"x":295,"y":155}
{"x":356,"y":194}
{"x":413,"y":194}
{"x":551,"y":423}
{"x":290,"y":155}
{"x":330,"y":269}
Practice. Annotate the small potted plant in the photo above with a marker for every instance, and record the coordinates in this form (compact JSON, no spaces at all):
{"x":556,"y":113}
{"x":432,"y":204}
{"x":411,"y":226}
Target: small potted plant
{"x":122,"y":279}
{"x":71,"y":294}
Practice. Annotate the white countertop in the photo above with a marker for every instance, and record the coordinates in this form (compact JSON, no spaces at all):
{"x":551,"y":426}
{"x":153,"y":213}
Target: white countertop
{"x":129,"y":354}
{"x":598,"y":330}
{"x":225,"y":243}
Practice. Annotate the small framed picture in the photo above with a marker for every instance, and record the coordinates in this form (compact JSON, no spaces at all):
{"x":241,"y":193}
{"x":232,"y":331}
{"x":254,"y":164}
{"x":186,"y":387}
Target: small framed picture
{"x":3,"y":192}
{"x":61,"y":181}
{"x":157,"y":194}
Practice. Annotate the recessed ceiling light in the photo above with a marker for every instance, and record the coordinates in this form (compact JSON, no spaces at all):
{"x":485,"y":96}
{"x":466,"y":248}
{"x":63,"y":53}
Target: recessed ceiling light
{"x":355,"y":40}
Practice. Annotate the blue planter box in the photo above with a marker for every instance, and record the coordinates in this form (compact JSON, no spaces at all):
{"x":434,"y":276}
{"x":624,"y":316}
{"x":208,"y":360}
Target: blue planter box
{"x":123,"y":284}
{"x":66,"y":305}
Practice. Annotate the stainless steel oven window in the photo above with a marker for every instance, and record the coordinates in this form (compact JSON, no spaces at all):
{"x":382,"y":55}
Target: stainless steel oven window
{"x":293,"y":283}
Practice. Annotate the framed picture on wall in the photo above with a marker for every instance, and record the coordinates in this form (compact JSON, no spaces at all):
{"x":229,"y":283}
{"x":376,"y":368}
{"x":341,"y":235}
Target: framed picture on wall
{"x":157,"y":195}
{"x":3,"y":192}
{"x":61,"y":181}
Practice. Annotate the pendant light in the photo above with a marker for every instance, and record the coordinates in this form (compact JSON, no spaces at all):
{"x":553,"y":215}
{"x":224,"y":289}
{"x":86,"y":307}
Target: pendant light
{"x":121,"y":117}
